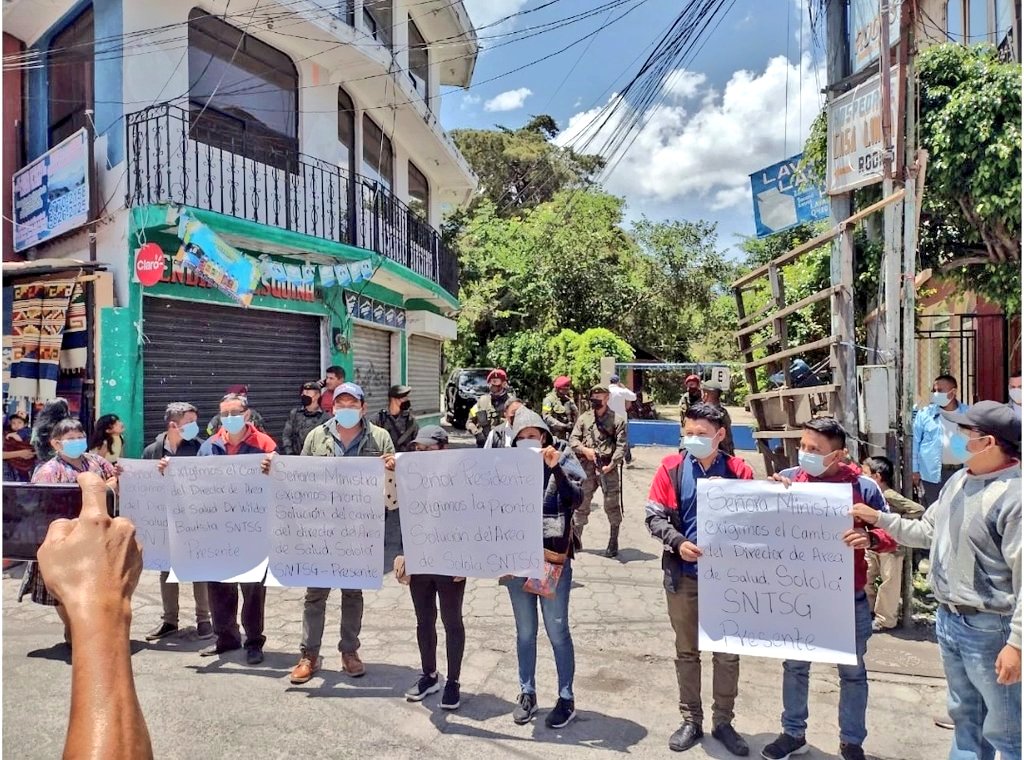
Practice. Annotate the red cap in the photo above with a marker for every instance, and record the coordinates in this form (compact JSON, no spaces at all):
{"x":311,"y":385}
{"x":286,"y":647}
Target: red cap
{"x":562,"y":382}
{"x":240,"y":389}
{"x":497,"y":373}
{"x":692,"y":379}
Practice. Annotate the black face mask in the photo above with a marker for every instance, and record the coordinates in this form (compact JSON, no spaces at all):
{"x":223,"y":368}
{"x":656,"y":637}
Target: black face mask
{"x":306,"y":400}
{"x":405,"y":405}
{"x":596,"y":403}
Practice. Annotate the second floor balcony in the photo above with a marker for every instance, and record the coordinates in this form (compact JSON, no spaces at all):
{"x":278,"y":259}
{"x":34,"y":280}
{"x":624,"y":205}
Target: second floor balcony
{"x":268,"y":181}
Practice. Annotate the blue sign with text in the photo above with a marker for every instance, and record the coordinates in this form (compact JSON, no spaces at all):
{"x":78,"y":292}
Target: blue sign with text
{"x":784,"y":197}
{"x":51,"y":194}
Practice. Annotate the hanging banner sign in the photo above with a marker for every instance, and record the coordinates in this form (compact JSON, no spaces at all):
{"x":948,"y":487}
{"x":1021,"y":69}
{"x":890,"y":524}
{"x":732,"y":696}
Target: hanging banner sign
{"x":204,"y":252}
{"x":784,"y":197}
{"x":855,"y":148}
{"x":866,"y":31}
{"x":776,"y":579}
{"x":371,"y":310}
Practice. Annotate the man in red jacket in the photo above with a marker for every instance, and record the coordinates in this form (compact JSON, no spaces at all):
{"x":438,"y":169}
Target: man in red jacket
{"x":823,"y":459}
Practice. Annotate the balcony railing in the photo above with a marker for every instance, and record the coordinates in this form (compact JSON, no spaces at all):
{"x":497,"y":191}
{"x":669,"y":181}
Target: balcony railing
{"x":264,"y":181}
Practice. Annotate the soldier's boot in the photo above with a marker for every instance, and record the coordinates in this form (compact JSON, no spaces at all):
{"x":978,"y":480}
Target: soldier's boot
{"x":613,"y":543}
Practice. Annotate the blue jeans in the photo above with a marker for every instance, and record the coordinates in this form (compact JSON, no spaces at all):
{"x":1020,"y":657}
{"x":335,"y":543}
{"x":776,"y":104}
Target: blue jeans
{"x":986,"y":715}
{"x":556,"y":623}
{"x":853,"y":686}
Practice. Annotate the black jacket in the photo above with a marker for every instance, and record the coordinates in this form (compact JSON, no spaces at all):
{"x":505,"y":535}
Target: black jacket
{"x":402,"y":428}
{"x":297,"y":427}
{"x":156,"y":450}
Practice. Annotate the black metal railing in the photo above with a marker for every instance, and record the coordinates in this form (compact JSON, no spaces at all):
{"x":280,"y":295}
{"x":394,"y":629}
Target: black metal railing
{"x":267,"y":180}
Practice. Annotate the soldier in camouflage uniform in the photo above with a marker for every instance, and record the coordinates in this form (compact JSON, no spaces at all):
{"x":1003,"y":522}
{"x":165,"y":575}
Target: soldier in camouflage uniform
{"x":489,"y":409}
{"x":558,"y":409}
{"x":692,"y":396}
{"x":599,"y":440}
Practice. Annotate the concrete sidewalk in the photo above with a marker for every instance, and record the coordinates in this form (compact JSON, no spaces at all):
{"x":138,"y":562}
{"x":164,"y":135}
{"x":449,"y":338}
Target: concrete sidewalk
{"x":625,"y":679}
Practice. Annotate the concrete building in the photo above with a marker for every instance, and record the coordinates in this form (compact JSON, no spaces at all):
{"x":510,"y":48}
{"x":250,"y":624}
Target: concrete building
{"x":287,"y":161}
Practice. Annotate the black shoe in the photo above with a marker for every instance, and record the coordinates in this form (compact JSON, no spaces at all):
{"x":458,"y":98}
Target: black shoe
{"x":253,"y":654}
{"x":450,"y":700}
{"x":686,"y":736}
{"x":204,"y":630}
{"x":733,"y":742}
{"x":851,"y":751}
{"x":217,"y":649}
{"x":426,"y":685}
{"x":784,"y":746}
{"x":526,"y":708}
{"x":561,"y":714}
{"x":164,"y":629}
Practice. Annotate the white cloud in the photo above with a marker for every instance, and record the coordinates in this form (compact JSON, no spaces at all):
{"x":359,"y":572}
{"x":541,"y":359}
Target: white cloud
{"x":702,"y":144}
{"x":468,"y":101}
{"x":509,"y":100}
{"x":483,"y":13}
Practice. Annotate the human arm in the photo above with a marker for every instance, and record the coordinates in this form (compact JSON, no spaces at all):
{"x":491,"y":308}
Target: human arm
{"x":914,"y":533}
{"x":915,"y":457}
{"x":661,"y":505}
{"x":287,"y":446}
{"x":576,"y":441}
{"x":620,"y":444}
{"x":1009,"y":524}
{"x":901,"y":505}
{"x":92,"y":566}
{"x":568,"y":474}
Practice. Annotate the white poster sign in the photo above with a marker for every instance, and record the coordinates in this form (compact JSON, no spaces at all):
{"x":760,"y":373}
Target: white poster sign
{"x":855,"y":146}
{"x":326,"y":522}
{"x":476,"y":513}
{"x":776,"y":579}
{"x":146,"y":497}
{"x":217,"y":525}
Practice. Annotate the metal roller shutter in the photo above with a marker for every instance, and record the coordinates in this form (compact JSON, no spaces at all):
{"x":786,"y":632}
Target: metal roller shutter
{"x":425,"y":374}
{"x":371,"y":362}
{"x":195,"y":350}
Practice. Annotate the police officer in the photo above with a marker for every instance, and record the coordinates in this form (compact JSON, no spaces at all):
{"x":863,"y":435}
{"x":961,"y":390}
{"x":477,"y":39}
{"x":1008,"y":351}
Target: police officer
{"x":558,"y":409}
{"x":397,"y":419}
{"x":489,"y":408}
{"x":599,"y":441}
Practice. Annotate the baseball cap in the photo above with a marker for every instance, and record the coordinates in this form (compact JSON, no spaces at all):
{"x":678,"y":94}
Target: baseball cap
{"x":432,"y":435}
{"x":614,"y":378}
{"x":241,"y":389}
{"x":497,"y":373}
{"x":349,"y":389}
{"x":989,"y":418}
{"x":692,"y":379}
{"x":399,"y":391}
{"x":562,"y":382}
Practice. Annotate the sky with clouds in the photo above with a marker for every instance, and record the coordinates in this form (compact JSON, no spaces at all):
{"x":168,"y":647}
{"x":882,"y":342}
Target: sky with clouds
{"x":743,"y":101}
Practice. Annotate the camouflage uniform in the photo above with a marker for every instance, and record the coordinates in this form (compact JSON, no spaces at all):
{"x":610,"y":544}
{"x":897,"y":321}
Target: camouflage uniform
{"x":560,"y":416}
{"x":607,"y":436}
{"x":487,"y":413}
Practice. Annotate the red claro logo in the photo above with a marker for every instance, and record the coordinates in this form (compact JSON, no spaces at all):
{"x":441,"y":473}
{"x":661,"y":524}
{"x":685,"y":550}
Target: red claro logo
{"x":149,"y":264}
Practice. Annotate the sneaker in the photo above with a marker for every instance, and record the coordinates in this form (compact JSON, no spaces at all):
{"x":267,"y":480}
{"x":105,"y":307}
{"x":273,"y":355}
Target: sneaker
{"x":305,"y":669}
{"x":562,"y":713}
{"x":784,"y":746}
{"x":253,"y":654}
{"x":204,"y":630}
{"x":526,"y":708}
{"x":426,"y":685}
{"x":450,"y":698}
{"x":851,"y":751}
{"x":164,"y":629}
{"x":733,"y":742}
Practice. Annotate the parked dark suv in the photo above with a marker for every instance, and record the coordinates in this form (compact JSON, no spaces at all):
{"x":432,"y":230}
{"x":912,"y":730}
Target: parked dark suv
{"x":464,"y":387}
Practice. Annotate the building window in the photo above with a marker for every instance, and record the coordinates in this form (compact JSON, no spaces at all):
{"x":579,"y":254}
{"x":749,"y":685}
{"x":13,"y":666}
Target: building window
{"x":377,"y":19}
{"x":419,"y":65}
{"x":955,"y":21}
{"x":972,"y":21}
{"x":419,"y":193}
{"x":378,"y":156}
{"x":243,"y":93}
{"x":346,"y":11}
{"x":347,"y":130}
{"x":69,"y":68}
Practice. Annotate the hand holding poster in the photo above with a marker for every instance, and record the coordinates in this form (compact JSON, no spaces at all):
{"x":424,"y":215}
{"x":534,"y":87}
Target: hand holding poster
{"x":326,"y":522}
{"x":776,"y":579}
{"x":146,"y":500}
{"x":475,"y":513}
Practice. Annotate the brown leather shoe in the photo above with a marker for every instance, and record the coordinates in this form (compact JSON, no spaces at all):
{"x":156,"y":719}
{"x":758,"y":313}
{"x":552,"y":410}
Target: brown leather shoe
{"x":352,"y":665}
{"x":307,"y":667}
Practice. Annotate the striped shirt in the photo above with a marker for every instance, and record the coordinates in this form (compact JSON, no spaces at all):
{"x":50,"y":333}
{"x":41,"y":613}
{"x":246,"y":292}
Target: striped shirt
{"x":973,"y":531}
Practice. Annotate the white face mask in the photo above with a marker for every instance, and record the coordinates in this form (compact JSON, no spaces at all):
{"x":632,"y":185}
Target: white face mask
{"x":941,"y":399}
{"x":1015,"y":395}
{"x":528,"y":443}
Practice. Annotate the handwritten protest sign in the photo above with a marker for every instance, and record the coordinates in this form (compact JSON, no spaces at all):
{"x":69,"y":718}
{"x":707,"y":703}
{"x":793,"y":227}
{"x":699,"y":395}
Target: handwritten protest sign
{"x":475,"y":513}
{"x":326,"y":522}
{"x":146,"y":498}
{"x":217,"y":525}
{"x":776,"y":579}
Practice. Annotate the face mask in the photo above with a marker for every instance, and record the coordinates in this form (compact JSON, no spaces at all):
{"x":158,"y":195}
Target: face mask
{"x":958,"y":447}
{"x":813,"y":464}
{"x":405,"y":405}
{"x":347,"y":418}
{"x":189,"y":431}
{"x":699,"y":446}
{"x":306,"y":400}
{"x":596,"y":403}
{"x":233,"y":423}
{"x":1015,"y":395}
{"x":941,"y":399}
{"x":74,"y":447}
{"x":528,"y":443}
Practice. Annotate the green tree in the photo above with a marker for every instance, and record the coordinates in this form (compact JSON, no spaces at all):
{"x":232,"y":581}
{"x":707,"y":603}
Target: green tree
{"x":525,"y":356}
{"x":589,"y":347}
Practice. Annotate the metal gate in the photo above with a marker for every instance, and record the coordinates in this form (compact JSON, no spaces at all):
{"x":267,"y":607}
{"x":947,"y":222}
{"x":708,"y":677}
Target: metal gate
{"x":425,"y":374}
{"x":946,"y":345}
{"x":193,"y":351}
{"x":371,"y":364}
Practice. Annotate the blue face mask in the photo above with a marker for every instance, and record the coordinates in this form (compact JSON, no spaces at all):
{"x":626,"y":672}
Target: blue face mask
{"x":189,"y":431}
{"x":958,"y":447}
{"x":698,"y":446}
{"x":813,"y":464}
{"x":233,"y":423}
{"x":941,"y":399}
{"x":347,"y":418}
{"x":74,"y":447}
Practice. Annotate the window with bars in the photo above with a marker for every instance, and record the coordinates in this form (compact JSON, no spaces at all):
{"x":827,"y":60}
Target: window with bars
{"x":378,"y":154}
{"x":69,"y":69}
{"x":377,"y":20}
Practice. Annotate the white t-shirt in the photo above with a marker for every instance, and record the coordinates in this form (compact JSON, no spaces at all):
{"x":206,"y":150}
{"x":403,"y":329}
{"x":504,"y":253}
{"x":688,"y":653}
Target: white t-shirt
{"x":949,"y":429}
{"x":617,"y":398}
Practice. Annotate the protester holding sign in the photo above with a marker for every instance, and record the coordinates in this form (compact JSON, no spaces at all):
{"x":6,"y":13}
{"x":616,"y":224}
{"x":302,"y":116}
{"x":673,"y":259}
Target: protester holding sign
{"x":180,"y":439}
{"x":672,"y":519}
{"x":429,"y":590}
{"x":563,"y":478}
{"x":823,"y":459}
{"x":974,"y":533}
{"x":347,"y":434}
{"x":237,"y":435}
